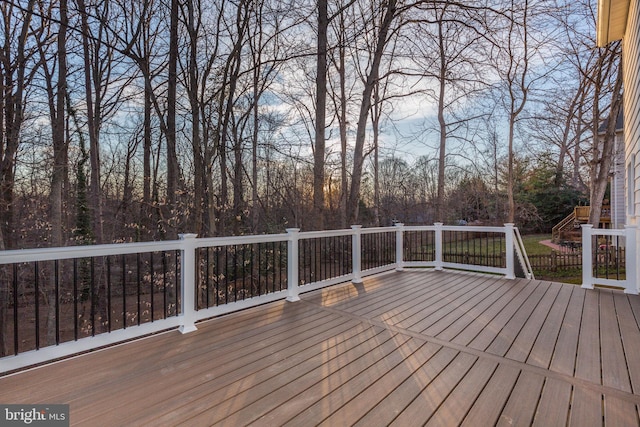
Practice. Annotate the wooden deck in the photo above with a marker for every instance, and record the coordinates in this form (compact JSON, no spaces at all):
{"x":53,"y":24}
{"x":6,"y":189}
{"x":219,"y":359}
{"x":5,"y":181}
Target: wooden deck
{"x":410,"y":348}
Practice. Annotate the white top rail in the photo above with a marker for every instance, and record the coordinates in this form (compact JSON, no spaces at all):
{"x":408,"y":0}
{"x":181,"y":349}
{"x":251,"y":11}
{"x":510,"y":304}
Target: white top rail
{"x":70,"y":252}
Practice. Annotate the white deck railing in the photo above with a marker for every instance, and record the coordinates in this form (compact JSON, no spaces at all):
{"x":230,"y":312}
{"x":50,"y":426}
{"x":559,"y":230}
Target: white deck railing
{"x":371,"y":250}
{"x":601,"y":257}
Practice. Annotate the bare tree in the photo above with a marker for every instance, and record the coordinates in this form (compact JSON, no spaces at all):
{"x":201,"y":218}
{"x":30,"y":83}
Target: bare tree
{"x":388,"y":14}
{"x":606,"y":67}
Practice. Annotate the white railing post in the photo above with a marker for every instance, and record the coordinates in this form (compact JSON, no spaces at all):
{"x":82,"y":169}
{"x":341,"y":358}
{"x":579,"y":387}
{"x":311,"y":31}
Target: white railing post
{"x":356,"y":253}
{"x":587,"y":256}
{"x":438,"y":242}
{"x":510,"y":250}
{"x":188,"y":283}
{"x":631,"y":268}
{"x":293,"y":290}
{"x":399,"y":246}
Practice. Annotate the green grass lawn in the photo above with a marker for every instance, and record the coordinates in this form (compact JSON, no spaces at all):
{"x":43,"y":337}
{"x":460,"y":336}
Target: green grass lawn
{"x":533,"y":247}
{"x":532,"y":244}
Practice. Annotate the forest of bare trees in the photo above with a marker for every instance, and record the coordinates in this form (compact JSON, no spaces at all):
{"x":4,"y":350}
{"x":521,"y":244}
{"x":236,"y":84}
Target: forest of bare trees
{"x":134,"y":120}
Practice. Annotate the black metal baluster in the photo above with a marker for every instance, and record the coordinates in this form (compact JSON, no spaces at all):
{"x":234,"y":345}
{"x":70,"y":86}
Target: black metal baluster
{"x":56,"y":270}
{"x":244,"y":271}
{"x":302,"y":256}
{"x":235,"y":273}
{"x":177,"y":283}
{"x":109,"y":326}
{"x":216,"y":272}
{"x":37,"y":303}
{"x":208,"y":281}
{"x":138,"y":280}
{"x":124,"y":292}
{"x":226,"y":276}
{"x":151,"y":271}
{"x":75,"y":299}
{"x":266,"y":278}
{"x":16,"y":330}
{"x":164,"y":285}
{"x":93,"y":298}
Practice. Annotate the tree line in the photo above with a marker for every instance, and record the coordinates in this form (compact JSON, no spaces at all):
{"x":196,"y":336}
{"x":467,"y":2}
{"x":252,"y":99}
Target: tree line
{"x":132,"y":120}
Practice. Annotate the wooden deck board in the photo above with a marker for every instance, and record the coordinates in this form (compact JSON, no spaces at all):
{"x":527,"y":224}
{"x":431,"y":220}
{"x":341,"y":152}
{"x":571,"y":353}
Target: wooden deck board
{"x":553,"y":408}
{"x":377,"y":390}
{"x":586,"y":408}
{"x":458,"y":403}
{"x":429,"y":400}
{"x":619,"y":413}
{"x":523,"y":401}
{"x":232,"y":367}
{"x":486,"y":325}
{"x":545,"y":343}
{"x":416,"y":303}
{"x":244,"y":408}
{"x":630,"y":338}
{"x":398,"y":399}
{"x":588,"y":364}
{"x":464,"y":312}
{"x":614,"y":367}
{"x":564,"y":355}
{"x":406,"y":348}
{"x":492,"y":399}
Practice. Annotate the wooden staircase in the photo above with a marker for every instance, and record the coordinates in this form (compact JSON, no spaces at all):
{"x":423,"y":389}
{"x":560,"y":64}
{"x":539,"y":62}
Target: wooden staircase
{"x":569,"y":228}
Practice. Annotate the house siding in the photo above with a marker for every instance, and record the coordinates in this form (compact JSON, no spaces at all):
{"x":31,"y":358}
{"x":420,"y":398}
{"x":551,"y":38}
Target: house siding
{"x":631,"y":69}
{"x":618,"y":212}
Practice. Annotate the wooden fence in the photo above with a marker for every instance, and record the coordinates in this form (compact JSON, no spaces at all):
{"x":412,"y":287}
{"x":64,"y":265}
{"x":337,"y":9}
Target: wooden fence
{"x":557,"y":261}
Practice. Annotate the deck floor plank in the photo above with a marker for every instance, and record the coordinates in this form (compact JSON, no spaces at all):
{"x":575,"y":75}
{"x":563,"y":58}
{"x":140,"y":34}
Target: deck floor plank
{"x":367,"y":294}
{"x":399,"y":398}
{"x":142,"y":355}
{"x":167,"y":359}
{"x":531,"y":327}
{"x":451,"y":305}
{"x":586,"y":408}
{"x":395,"y":301}
{"x":499,"y":335}
{"x":523,"y":401}
{"x":486,"y":325}
{"x":429,"y":400}
{"x":417,"y":304}
{"x":619,"y":413}
{"x":458,"y":403}
{"x":466,"y":311}
{"x":547,"y":339}
{"x":614,"y":365}
{"x":588,"y":356}
{"x":246,"y":407}
{"x":407,"y":348}
{"x":463,"y":329}
{"x":336,"y":396}
{"x":412,"y":317}
{"x":554,"y":405}
{"x":231,"y":367}
{"x":379,"y":389}
{"x":492,"y":399}
{"x":630,"y":338}
{"x":564,"y":355}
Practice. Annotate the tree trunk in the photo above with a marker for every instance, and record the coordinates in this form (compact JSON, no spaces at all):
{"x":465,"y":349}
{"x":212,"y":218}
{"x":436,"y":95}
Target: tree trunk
{"x":442,"y":125}
{"x":60,"y":146}
{"x":321,"y":105}
{"x":92,"y":127}
{"x":172,"y":84}
{"x":602,"y":165}
{"x":365,"y":106}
